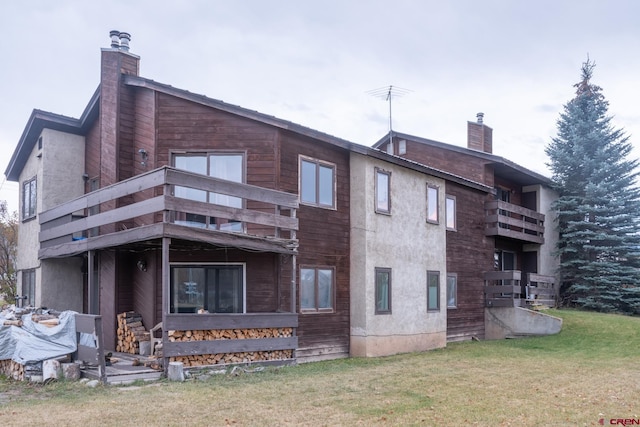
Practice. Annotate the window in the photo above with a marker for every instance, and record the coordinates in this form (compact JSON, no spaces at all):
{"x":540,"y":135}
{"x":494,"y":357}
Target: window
{"x":317,"y":183}
{"x":432,"y":204}
{"x":383,"y":291}
{"x":29,"y":287}
{"x":450,"y":212}
{"x":433,"y":290}
{"x":383,"y":191}
{"x":402,"y":147}
{"x":452,"y":290}
{"x":316,"y":289}
{"x":29,"y":199}
{"x":228,"y":166}
{"x":214,"y":288}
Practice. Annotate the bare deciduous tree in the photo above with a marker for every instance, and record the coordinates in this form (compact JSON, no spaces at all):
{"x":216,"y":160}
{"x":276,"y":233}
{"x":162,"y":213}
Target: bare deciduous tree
{"x":8,"y":249}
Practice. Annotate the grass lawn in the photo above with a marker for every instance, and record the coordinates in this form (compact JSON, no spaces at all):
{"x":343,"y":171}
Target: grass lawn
{"x":589,"y":371}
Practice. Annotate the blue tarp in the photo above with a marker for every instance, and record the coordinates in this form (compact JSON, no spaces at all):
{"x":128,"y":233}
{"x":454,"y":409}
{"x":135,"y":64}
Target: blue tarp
{"x":34,"y":342}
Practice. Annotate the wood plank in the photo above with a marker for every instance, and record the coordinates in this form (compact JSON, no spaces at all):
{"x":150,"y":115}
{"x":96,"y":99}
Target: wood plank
{"x":503,"y":275}
{"x":182,"y":322}
{"x":187,"y":348}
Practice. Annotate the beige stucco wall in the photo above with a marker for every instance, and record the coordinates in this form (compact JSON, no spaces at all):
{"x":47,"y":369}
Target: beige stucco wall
{"x":409,"y":246}
{"x":58,"y":168}
{"x":547,"y":261}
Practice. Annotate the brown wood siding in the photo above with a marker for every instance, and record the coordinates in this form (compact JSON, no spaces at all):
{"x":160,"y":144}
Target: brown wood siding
{"x":461,"y":164}
{"x":323,"y":239}
{"x":469,"y":255}
{"x":144,"y":139}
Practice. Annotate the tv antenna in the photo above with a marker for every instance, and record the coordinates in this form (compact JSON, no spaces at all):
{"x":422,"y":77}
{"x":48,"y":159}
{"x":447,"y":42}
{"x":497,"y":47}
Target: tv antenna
{"x":387,"y":93}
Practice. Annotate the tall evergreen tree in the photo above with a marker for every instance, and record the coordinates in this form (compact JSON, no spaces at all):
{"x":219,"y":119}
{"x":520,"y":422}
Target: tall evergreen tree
{"x":599,"y":204}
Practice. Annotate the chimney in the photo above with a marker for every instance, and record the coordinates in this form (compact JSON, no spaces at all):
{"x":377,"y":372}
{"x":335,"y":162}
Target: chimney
{"x":479,"y":136}
{"x":115,"y":39}
{"x":125,"y":38}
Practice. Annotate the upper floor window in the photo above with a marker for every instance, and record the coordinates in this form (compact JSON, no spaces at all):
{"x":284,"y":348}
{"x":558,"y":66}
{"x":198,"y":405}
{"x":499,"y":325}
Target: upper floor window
{"x":432,"y":204}
{"x":223,"y":165}
{"x":317,"y":289}
{"x":433,"y":290}
{"x":450,"y":212}
{"x":29,"y":199}
{"x":383,"y":291}
{"x":317,"y":182}
{"x":383,"y":191}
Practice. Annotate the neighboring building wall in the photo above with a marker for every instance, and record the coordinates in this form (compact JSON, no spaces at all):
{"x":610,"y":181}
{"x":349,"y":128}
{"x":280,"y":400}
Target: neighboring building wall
{"x":58,"y":167}
{"x":405,"y":243}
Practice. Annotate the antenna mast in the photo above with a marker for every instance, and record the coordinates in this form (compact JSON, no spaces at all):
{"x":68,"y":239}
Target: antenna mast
{"x":387,"y":93}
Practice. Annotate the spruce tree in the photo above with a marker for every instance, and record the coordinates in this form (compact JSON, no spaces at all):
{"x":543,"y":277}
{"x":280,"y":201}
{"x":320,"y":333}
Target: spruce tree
{"x":598,"y":206}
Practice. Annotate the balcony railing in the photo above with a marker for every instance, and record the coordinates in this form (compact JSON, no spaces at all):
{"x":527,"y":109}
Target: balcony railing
{"x":507,"y":289}
{"x":513,"y":221}
{"x":144,"y":208}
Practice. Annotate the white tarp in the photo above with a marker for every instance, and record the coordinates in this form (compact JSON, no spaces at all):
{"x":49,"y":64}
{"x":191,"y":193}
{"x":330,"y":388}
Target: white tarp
{"x":34,"y":342}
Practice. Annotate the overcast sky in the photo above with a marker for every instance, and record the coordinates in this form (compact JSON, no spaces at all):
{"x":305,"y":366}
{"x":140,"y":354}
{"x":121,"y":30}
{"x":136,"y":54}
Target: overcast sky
{"x":316,"y":62}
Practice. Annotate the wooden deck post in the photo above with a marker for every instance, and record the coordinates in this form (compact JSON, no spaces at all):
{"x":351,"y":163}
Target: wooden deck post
{"x":166,"y":288}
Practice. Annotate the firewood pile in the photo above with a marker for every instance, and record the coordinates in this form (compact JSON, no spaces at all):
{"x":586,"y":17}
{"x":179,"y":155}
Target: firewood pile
{"x":227,"y":334}
{"x":11,"y":369}
{"x":130,"y":332}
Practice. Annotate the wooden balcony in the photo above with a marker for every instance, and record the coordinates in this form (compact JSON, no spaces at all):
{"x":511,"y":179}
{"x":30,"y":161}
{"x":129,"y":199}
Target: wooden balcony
{"x":514,"y":222}
{"x":144,"y":209}
{"x":507,"y":289}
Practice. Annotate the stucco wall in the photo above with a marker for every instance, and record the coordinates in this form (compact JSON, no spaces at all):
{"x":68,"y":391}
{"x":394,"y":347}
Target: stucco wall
{"x":58,"y":168}
{"x":409,"y":246}
{"x":547,"y":261}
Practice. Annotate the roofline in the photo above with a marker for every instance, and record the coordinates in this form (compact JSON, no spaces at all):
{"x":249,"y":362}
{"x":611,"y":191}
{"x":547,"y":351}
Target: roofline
{"x":138,"y":81}
{"x":40,"y":120}
{"x":468,"y":151}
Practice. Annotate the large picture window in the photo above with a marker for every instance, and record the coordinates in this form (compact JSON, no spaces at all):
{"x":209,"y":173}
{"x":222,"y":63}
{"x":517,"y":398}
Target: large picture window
{"x":317,"y":183}
{"x":432,"y":204}
{"x":383,"y":191}
{"x":317,"y":289}
{"x":217,"y":288}
{"x":29,"y":197}
{"x":433,"y":290}
{"x":223,"y":165}
{"x":383,"y":291}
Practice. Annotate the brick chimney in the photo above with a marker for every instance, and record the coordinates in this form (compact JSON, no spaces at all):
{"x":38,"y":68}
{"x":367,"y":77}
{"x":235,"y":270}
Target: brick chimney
{"x":479,"y":135}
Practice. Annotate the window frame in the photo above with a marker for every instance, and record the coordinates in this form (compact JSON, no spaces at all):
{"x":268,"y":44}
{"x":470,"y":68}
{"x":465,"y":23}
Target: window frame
{"x":377,"y":293}
{"x":29,"y":199}
{"x":453,"y":276}
{"x":378,"y":172}
{"x":433,"y":274}
{"x":211,"y":222}
{"x":29,"y":287}
{"x":205,"y":266}
{"x":317,"y":164}
{"x":437,"y":204}
{"x":316,"y":309}
{"x":454,"y":213}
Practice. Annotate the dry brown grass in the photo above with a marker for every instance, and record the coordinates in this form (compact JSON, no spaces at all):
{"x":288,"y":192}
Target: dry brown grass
{"x":591,"y":370}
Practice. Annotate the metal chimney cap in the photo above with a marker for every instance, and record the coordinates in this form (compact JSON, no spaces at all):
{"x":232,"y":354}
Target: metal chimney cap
{"x":480,"y":117}
{"x":125,"y":38}
{"x":115,"y":39}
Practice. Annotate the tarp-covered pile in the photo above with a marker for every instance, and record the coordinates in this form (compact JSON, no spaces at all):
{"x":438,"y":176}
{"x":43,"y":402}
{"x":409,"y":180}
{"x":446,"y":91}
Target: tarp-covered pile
{"x":34,"y":342}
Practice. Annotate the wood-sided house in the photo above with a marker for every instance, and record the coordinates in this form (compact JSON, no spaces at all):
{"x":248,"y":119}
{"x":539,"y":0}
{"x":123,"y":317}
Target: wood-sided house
{"x":502,"y":239}
{"x":205,"y":216}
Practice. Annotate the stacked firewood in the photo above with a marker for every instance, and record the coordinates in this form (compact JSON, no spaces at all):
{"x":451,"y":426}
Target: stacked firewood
{"x":228,"y":334}
{"x":11,"y":369}
{"x":130,"y":332}
{"x":223,"y":358}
